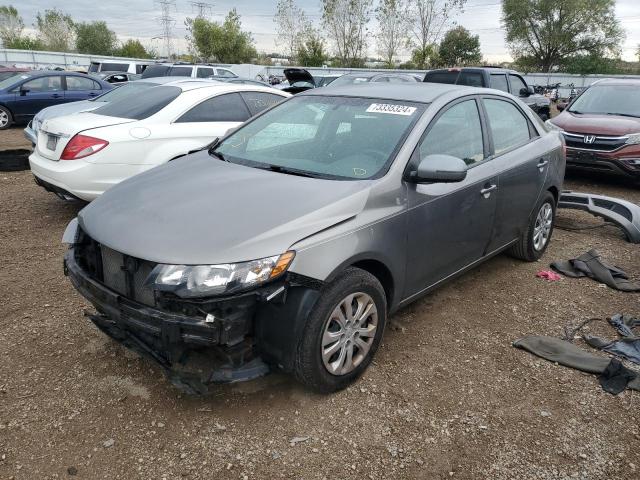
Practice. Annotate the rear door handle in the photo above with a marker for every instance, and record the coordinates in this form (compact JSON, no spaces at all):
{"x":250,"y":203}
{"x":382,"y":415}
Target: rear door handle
{"x":541,"y":164}
{"x":486,"y":191}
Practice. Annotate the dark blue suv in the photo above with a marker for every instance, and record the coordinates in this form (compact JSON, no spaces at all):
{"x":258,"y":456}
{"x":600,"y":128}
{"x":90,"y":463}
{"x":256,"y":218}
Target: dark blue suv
{"x":25,"y":94}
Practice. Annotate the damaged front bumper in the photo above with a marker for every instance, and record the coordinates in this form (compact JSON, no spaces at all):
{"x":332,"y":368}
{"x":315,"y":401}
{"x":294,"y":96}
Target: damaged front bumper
{"x":229,"y":339}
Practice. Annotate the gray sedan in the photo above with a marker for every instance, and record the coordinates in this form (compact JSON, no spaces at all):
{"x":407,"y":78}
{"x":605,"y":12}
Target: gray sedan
{"x":288,"y":243}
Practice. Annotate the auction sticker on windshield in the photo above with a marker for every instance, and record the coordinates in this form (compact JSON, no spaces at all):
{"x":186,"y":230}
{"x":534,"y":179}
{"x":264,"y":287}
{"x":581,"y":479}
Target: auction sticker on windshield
{"x":392,"y":109}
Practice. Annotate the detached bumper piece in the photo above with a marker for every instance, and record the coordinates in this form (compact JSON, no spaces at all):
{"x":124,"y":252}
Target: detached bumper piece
{"x":214,"y":347}
{"x":622,"y":213}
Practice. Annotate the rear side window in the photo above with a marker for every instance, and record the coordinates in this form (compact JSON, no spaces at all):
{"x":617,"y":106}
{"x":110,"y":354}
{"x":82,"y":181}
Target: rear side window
{"x":81,"y":83}
{"x":204,"y":72}
{"x":457,"y":132}
{"x":517,"y":84}
{"x":155,"y":71}
{"x":139,"y":107}
{"x":471,"y":79}
{"x":259,"y":101}
{"x":223,"y":108}
{"x":115,"y":67}
{"x":441,"y":77}
{"x":499,"y":82}
{"x":508,"y":125}
{"x":180,"y":71}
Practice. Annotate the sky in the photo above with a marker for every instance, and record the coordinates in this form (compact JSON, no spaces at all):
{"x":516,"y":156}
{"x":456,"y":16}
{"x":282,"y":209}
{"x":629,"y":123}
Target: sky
{"x":139,"y":19}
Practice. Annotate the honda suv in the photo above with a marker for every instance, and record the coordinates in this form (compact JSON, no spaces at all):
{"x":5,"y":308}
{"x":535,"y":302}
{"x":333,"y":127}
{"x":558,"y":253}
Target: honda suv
{"x":602,"y":128}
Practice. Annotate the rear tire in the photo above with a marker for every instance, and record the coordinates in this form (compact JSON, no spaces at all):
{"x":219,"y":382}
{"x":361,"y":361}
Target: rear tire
{"x":535,"y":239}
{"x":342,"y":332}
{"x":6,"y":119}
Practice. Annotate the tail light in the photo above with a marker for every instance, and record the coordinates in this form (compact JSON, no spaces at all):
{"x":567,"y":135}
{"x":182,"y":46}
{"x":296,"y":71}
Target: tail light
{"x":81,"y":146}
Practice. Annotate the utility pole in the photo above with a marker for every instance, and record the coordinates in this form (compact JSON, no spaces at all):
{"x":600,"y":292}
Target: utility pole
{"x":166,"y":22}
{"x":203,"y":9}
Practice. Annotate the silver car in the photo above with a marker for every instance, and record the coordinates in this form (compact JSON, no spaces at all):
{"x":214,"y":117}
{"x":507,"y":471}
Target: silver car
{"x":289,"y":242}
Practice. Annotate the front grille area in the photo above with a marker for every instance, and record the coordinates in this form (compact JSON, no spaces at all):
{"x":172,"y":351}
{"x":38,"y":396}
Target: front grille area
{"x":601,"y":143}
{"x":121,"y":273}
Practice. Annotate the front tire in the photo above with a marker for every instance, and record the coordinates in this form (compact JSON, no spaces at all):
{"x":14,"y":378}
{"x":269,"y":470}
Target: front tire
{"x":6,"y":119}
{"x":535,"y":239}
{"x":342,"y":332}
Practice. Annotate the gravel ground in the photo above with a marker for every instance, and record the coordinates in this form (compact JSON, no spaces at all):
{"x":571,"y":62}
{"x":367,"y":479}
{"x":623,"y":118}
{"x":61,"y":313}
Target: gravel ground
{"x":447,"y":397}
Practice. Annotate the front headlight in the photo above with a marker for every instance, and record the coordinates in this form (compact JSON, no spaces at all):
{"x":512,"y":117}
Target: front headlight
{"x":552,"y":126}
{"x":188,"y":281}
{"x":634,"y":139}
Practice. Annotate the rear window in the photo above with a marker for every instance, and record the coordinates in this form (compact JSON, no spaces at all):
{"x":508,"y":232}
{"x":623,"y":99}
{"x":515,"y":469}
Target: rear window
{"x":180,"y":71}
{"x":155,"y":71}
{"x":114,"y":67}
{"x":441,"y":77}
{"x":141,"y":106}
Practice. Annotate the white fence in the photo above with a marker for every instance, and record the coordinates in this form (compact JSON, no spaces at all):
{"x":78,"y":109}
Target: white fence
{"x":43,"y":60}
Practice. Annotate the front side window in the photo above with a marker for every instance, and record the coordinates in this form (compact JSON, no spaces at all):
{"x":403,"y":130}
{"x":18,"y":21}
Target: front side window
{"x":508,"y":125}
{"x":43,"y":84}
{"x":139,"y":107}
{"x":330,"y":137}
{"x":457,"y":132}
{"x":516,"y":84}
{"x":223,"y":108}
{"x":81,"y":83}
{"x":499,"y":82}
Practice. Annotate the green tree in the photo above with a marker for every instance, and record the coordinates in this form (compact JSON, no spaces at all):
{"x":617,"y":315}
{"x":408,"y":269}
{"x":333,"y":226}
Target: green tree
{"x":226,"y":42}
{"x":425,"y":57}
{"x":133,"y":49}
{"x":11,"y":25}
{"x":56,"y":30}
{"x":544,"y":33}
{"x":311,"y":51}
{"x":459,"y":48}
{"x":26,"y":43}
{"x":590,"y":64}
{"x":345,"y":23}
{"x":95,"y":38}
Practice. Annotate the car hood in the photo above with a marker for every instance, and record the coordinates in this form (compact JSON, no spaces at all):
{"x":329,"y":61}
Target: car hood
{"x":67,"y":109}
{"x":201,"y":210}
{"x":597,"y":124}
{"x":294,"y":75}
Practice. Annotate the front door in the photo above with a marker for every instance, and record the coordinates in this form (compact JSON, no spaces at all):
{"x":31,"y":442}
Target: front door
{"x":523,"y":170}
{"x":34,"y":95}
{"x":450,"y":224}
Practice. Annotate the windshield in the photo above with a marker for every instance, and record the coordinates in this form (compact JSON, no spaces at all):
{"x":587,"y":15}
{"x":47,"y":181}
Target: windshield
{"x":119,"y":92}
{"x":139,"y":107}
{"x":351,"y":80}
{"x":609,"y":99}
{"x":14,"y":78}
{"x":330,"y":137}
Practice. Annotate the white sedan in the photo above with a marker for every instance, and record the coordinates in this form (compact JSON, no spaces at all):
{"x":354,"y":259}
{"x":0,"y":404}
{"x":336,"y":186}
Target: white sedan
{"x":83,"y":154}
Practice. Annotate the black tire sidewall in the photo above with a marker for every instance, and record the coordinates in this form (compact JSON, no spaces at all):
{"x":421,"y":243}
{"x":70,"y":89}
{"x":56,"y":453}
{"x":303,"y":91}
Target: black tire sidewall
{"x":310,"y":368}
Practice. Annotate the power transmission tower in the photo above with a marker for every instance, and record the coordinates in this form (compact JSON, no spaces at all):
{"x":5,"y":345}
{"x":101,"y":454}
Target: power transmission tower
{"x":204,"y":9}
{"x":166,"y":22}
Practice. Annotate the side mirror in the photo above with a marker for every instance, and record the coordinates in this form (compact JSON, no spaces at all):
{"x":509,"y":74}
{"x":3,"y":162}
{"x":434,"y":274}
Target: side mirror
{"x":23,"y":91}
{"x":439,"y":168}
{"x":526,"y":92}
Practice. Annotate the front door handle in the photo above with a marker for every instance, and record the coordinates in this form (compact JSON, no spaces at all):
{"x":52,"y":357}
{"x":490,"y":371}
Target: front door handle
{"x":56,"y":95}
{"x":541,"y":164}
{"x":486,"y":191}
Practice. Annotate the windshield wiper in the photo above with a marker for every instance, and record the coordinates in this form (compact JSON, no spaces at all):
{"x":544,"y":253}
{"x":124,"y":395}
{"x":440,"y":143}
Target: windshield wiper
{"x":624,"y":115}
{"x":218,"y":155}
{"x":289,"y":171}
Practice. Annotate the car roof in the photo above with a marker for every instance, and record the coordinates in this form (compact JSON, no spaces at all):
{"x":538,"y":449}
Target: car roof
{"x":418,"y":92}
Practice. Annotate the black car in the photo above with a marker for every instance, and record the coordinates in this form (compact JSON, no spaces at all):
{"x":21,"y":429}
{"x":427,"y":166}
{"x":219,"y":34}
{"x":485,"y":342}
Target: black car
{"x":503,"y":79}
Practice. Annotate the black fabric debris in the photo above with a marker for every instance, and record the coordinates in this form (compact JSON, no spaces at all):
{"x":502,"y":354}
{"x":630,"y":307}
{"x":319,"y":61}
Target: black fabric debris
{"x":616,"y":377}
{"x":569,"y":355}
{"x":627,"y":347}
{"x":591,"y":265}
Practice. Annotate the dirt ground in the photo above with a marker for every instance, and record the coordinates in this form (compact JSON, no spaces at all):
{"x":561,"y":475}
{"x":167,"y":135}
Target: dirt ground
{"x":447,"y":397}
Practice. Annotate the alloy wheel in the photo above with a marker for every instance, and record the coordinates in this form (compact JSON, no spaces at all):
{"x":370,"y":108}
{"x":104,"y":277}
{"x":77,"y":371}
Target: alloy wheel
{"x":349,"y":333}
{"x":4,"y":118}
{"x":542,"y":227}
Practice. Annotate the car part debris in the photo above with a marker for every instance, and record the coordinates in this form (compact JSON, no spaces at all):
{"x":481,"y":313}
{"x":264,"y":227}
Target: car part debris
{"x":569,"y":355}
{"x":622,"y":213}
{"x":628,"y":346}
{"x":548,"y":275}
{"x":591,"y":265}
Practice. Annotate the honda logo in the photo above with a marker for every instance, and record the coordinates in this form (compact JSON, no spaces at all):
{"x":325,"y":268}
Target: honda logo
{"x":589,"y":139}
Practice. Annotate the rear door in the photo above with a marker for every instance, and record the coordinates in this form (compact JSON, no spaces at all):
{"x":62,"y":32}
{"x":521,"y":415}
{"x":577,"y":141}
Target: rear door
{"x":523,"y":168}
{"x":450,"y":224}
{"x":36,"y":94}
{"x":81,"y":88}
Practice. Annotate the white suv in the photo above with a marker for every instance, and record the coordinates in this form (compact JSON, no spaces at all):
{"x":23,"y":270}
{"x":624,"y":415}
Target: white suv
{"x":187,"y":70}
